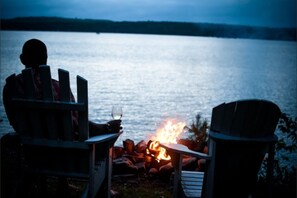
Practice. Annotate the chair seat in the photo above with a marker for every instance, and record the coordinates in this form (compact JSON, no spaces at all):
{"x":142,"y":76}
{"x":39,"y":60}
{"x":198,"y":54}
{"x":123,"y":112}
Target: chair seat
{"x":192,"y":183}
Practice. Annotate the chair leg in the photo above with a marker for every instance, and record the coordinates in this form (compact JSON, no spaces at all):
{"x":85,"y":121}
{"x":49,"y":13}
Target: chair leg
{"x":269,"y":173}
{"x":91,"y":192}
{"x":177,"y":163}
{"x":10,"y":165}
{"x":109,"y":173}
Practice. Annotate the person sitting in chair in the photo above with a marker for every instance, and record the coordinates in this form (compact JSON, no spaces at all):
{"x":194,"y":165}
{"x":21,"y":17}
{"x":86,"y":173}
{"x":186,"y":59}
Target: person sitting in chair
{"x":34,"y":54}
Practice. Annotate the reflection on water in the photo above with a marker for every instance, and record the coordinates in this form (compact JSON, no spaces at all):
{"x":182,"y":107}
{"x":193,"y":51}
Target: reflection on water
{"x":158,"y":77}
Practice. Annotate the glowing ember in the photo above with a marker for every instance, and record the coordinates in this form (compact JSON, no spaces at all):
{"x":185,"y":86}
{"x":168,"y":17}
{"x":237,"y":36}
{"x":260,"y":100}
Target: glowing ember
{"x":167,"y":134}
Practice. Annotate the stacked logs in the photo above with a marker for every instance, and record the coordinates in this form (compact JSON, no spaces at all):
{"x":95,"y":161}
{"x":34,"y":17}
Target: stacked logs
{"x":136,"y":159}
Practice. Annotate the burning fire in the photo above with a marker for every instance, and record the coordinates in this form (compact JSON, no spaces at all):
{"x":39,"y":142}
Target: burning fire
{"x":167,"y":134}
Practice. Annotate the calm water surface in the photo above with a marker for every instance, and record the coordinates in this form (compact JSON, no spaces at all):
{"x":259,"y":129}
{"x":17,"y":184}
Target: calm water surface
{"x":157,"y":77}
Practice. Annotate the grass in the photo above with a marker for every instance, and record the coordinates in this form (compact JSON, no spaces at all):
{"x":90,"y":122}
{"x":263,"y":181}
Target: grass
{"x":141,"y":187}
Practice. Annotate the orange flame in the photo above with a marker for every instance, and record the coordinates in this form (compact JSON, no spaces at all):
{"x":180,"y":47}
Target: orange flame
{"x":167,"y":134}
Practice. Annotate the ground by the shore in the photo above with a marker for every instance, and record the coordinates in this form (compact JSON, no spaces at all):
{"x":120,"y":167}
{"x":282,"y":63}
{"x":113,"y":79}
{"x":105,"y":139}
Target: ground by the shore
{"x":140,"y":186}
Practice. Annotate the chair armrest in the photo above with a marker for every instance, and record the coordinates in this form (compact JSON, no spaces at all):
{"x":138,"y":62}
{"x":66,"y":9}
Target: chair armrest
{"x":176,"y":152}
{"x":103,"y":138}
{"x":183,"y":150}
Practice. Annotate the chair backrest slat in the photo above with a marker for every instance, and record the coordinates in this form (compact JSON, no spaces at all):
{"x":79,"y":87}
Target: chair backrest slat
{"x":227,"y":118}
{"x":82,"y":96}
{"x":33,"y":118}
{"x":47,"y":95}
{"x":29,"y":85}
{"x":45,"y":76}
{"x":64,"y":83}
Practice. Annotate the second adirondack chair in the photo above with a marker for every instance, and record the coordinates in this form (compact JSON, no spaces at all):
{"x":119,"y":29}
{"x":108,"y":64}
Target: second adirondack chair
{"x":241,"y":132}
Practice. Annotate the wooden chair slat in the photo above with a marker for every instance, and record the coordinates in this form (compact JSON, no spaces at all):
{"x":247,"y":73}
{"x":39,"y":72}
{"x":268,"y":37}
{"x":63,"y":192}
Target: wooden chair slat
{"x":29,"y":86}
{"x":46,"y":84}
{"x":193,"y":184}
{"x":216,"y":119}
{"x":34,"y":121}
{"x":190,"y":174}
{"x":64,"y":83}
{"x":82,"y":96}
{"x":227,"y":120}
{"x":271,"y":116}
{"x":47,"y":95}
{"x":54,"y":143}
{"x":46,"y":105}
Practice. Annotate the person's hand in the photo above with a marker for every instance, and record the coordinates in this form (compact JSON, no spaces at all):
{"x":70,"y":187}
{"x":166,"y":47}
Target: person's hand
{"x":114,"y":126}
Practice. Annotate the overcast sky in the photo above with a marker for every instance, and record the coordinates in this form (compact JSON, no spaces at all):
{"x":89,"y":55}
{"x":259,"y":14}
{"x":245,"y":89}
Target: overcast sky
{"x":273,"y":13}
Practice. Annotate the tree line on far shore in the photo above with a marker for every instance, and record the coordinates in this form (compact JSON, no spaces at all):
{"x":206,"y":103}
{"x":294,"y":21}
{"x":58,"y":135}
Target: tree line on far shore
{"x":148,"y":27}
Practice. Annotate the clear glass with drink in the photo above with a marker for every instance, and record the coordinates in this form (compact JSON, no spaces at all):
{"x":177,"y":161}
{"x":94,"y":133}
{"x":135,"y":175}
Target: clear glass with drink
{"x":116,"y":112}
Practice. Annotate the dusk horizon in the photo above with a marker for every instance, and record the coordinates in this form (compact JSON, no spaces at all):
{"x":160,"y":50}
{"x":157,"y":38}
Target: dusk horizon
{"x":275,"y":13}
{"x":194,"y":22}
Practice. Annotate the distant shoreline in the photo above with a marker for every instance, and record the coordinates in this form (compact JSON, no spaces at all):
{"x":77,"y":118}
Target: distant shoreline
{"x":148,"y":27}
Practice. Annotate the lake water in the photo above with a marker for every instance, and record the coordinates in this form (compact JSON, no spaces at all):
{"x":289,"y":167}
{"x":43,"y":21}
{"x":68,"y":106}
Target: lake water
{"x":156,"y":78}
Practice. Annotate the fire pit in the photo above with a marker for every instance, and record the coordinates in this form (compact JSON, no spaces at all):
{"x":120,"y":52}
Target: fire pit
{"x":149,"y":157}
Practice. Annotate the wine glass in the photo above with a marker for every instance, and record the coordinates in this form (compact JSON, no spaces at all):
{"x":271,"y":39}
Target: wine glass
{"x":116,"y":112}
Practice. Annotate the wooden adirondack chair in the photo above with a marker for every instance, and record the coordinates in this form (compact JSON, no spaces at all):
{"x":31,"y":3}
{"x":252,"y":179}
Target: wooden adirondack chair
{"x":47,"y":139}
{"x":240,"y":134}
